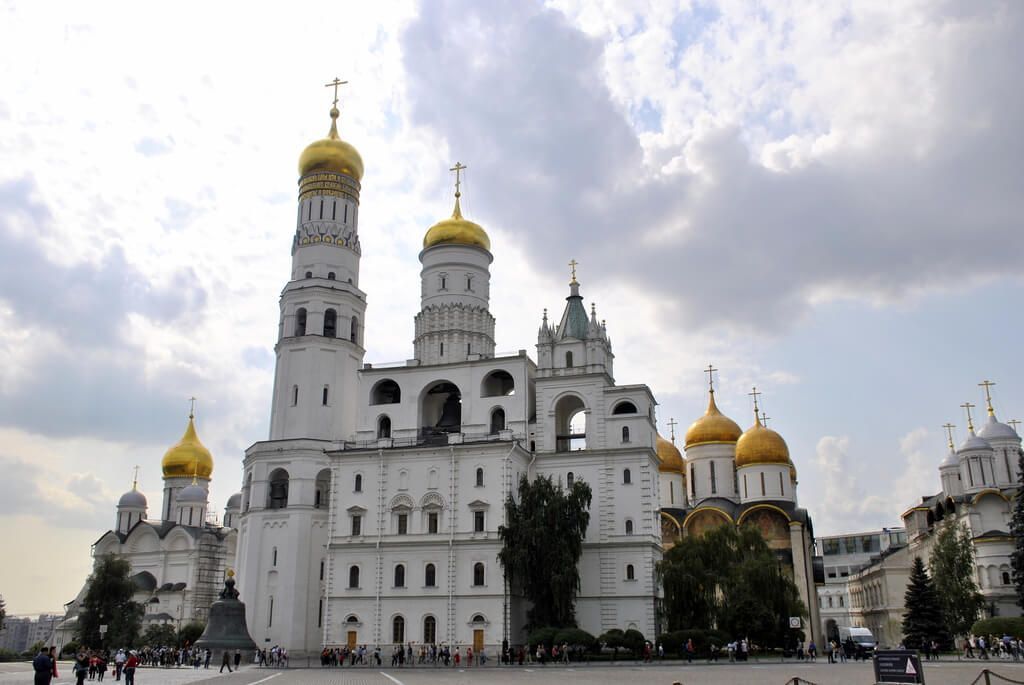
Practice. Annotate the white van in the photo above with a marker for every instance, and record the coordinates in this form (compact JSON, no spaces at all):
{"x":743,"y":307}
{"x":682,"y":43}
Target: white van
{"x":862,"y":639}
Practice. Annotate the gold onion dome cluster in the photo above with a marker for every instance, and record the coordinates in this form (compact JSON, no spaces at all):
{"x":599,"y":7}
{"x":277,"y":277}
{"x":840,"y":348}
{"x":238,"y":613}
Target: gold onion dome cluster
{"x":188,"y":458}
{"x":456,"y":231}
{"x":761,"y":445}
{"x":669,"y":457}
{"x":331,"y":154}
{"x":713,"y":427}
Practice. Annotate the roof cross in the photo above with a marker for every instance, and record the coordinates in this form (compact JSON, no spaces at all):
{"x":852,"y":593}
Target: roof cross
{"x":754,"y":393}
{"x":988,"y":396}
{"x":970,"y":423}
{"x":672,"y":423}
{"x":458,"y":169}
{"x":572,"y":265}
{"x":135,"y":479}
{"x":1014,"y":423}
{"x":711,"y":379}
{"x":334,"y":84}
{"x":949,"y":433}
{"x":764,"y":418}
{"x":192,"y":407}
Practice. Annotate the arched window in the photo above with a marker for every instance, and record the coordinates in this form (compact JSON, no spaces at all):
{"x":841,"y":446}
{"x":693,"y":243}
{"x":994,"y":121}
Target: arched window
{"x":497,"y":421}
{"x":478,"y":573}
{"x":626,"y":407}
{"x":330,"y":323}
{"x":630,"y":573}
{"x":353,"y":576}
{"x":295,"y":395}
{"x":247,"y":492}
{"x":330,"y":276}
{"x":568,"y":360}
{"x":627,"y":477}
{"x":430,"y":576}
{"x":714,"y":479}
{"x":386,"y":392}
{"x":323,"y":489}
{"x":479,"y":478}
{"x":625,"y":434}
{"x":273,"y":557}
{"x":358,"y":487}
{"x":400,"y":575}
{"x":841,"y":601}
{"x":398,"y":630}
{"x":429,"y":630}
{"x":570,"y":424}
{"x":309,"y":274}
{"x":277,"y":492}
{"x":570,"y":479}
{"x":300,"y":321}
{"x":629,"y":526}
{"x":326,"y":394}
{"x":1006,"y":578}
{"x":384,"y":427}
{"x":353,"y":334}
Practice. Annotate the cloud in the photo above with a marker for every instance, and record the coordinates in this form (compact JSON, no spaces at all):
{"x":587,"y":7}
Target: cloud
{"x":864,"y":163}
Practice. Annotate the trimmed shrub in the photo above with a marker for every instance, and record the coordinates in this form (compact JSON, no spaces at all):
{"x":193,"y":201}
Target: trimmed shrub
{"x":633,"y":640}
{"x":999,"y":626}
{"x":575,"y":637}
{"x":545,"y":636}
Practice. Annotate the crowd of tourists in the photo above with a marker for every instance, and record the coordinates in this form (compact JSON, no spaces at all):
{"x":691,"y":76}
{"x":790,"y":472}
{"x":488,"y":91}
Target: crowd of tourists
{"x":992,"y":647}
{"x":424,"y":655}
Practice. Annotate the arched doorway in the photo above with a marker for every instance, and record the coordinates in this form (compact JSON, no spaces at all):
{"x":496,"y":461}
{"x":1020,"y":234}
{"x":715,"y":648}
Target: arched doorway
{"x":570,"y":424}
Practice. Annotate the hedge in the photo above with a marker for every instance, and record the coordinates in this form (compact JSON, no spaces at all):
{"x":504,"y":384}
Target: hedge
{"x":999,"y":626}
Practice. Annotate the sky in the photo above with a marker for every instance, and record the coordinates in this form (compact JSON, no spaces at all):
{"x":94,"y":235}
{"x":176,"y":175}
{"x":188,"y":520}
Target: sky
{"x":822,"y":199}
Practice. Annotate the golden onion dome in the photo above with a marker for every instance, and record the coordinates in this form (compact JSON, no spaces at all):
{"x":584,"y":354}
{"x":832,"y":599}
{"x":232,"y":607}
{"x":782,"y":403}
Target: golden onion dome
{"x":189,"y":457}
{"x":669,"y":456}
{"x":714,"y":426}
{"x":761,"y":445}
{"x":456,"y":231}
{"x":331,"y":154}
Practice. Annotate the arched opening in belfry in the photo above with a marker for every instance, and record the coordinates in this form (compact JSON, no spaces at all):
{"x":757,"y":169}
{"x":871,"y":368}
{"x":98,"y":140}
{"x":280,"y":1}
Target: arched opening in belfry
{"x":300,"y":321}
{"x":386,"y":392}
{"x":570,"y":424}
{"x":322,"y":497}
{"x":384,"y":427}
{"x":497,"y":421}
{"x":277,"y":490}
{"x":441,"y":411}
{"x":330,"y":323}
{"x":353,"y":334}
{"x":498,"y":383}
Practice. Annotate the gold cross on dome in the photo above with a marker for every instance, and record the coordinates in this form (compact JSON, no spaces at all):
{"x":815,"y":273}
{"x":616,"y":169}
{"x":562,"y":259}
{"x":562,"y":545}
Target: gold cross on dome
{"x":334,"y":84}
{"x":458,"y":169}
{"x":135,"y":479}
{"x":711,"y":379}
{"x":1014,"y":423}
{"x":192,"y":407}
{"x":672,"y":423}
{"x":764,"y":419}
{"x":968,"y":406}
{"x":949,"y":433}
{"x":572,"y":265}
{"x":754,"y":393}
{"x":988,"y":395}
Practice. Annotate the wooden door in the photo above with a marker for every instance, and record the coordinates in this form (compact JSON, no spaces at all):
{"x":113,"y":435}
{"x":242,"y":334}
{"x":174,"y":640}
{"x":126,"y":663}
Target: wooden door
{"x":478,"y":640}
{"x":351,"y":639}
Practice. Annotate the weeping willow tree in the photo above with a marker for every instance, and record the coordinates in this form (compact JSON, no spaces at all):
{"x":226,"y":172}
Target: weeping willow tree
{"x":543,"y":543}
{"x":731,"y":580}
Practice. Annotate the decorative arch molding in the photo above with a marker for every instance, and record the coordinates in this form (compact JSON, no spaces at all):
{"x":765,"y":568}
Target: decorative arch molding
{"x":143,"y":540}
{"x":568,"y":393}
{"x":672,"y":520}
{"x":705,"y":512}
{"x":281,"y":523}
{"x":989,"y":491}
{"x":763,"y":505}
{"x":432,"y":499}
{"x":401,"y":501}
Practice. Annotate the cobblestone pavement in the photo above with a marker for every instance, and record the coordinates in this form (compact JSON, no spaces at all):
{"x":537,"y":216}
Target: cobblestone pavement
{"x":943,"y":673}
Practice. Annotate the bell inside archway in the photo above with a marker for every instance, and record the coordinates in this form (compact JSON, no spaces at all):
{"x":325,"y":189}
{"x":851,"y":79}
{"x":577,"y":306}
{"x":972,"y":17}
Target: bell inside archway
{"x":451,"y":414}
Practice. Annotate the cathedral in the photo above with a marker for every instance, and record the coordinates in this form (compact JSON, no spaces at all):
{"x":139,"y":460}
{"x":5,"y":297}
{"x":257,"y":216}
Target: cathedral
{"x":370,"y":515}
{"x":178,"y":558}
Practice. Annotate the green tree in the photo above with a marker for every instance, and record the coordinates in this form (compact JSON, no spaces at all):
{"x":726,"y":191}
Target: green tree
{"x":952,"y":570}
{"x":542,"y":545}
{"x":190,"y":632}
{"x":730,"y":579}
{"x":108,"y":601}
{"x":159,"y":635}
{"x":922,"y":617}
{"x":1017,"y":531}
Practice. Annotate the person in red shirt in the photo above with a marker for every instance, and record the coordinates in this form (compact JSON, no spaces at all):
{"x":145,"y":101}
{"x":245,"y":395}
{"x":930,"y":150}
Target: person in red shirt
{"x":129,"y":668}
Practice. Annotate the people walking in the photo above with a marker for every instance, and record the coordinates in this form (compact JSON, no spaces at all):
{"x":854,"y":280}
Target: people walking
{"x":130,"y":664}
{"x":43,"y":667}
{"x":225,"y":662}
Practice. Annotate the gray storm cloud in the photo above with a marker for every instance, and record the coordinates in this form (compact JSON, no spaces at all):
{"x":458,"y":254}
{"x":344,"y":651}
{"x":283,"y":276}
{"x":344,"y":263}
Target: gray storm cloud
{"x":519,"y":93}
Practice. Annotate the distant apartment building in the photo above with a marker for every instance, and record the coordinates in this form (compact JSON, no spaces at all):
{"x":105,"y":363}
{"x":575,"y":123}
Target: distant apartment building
{"x":844,"y":557}
{"x":21,"y":632}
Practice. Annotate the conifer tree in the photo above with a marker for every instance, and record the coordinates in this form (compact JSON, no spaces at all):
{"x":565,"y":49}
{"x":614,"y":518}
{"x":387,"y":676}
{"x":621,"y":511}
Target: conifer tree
{"x":952,"y":571}
{"x":922,"y":618}
{"x":1017,"y":531}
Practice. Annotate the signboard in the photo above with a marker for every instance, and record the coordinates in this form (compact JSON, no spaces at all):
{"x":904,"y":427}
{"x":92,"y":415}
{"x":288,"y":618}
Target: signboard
{"x":898,"y":666}
{"x":103,"y":629}
{"x":794,"y":621}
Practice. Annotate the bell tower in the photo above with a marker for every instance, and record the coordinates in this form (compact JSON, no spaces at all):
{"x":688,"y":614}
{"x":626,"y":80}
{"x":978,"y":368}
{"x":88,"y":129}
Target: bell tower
{"x":320,"y":331}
